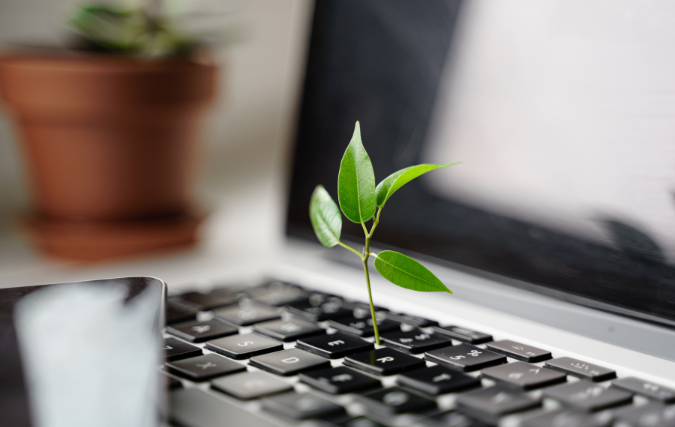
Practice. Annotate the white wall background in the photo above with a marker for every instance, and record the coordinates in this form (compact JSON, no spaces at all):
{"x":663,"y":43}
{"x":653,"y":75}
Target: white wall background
{"x":244,"y":154}
{"x":247,"y":132}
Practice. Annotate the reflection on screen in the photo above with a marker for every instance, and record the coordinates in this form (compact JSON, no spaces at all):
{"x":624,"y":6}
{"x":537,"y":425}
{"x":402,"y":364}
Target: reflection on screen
{"x":563,"y":119}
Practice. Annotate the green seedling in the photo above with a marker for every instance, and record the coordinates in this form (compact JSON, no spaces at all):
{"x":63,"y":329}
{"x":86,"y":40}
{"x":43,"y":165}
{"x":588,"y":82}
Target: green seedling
{"x":362,"y":201}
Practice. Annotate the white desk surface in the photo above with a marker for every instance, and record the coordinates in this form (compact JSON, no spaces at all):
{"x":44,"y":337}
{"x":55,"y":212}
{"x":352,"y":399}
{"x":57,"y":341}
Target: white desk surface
{"x":239,"y":239}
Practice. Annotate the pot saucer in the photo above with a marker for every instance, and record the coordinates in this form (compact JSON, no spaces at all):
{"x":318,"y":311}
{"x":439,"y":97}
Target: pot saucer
{"x":98,"y":240}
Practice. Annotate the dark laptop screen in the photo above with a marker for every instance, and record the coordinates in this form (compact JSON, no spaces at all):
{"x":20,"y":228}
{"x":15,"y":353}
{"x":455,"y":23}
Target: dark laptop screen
{"x":383,"y":63}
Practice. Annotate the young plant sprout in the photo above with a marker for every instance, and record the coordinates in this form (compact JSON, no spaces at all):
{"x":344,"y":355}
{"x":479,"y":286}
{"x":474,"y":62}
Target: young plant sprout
{"x":361,"y":201}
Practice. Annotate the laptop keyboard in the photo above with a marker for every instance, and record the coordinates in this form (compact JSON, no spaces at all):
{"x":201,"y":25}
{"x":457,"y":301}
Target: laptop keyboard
{"x":308,"y":356}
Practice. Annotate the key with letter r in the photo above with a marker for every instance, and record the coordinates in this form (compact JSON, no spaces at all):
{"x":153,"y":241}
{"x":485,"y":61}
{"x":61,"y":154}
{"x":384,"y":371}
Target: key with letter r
{"x":384,"y":361}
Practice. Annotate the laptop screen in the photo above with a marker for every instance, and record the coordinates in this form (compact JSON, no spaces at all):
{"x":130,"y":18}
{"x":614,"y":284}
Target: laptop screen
{"x":568,"y":168}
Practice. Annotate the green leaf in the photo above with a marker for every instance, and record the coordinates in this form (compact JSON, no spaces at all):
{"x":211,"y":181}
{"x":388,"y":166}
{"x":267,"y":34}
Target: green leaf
{"x":356,"y":181}
{"x":407,"y":273}
{"x":325,"y":217}
{"x":397,"y":179}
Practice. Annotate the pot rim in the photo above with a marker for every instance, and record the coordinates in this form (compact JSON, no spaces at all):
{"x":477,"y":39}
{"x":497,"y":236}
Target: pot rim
{"x":67,"y":60}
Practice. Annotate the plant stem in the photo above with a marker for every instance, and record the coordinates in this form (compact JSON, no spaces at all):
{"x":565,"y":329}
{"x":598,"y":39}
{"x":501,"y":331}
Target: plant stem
{"x":350,"y":249}
{"x":364,"y":258}
{"x":375,"y":222}
{"x":370,"y":296}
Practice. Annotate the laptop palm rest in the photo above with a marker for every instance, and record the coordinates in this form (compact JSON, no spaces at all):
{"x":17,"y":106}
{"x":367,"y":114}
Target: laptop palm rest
{"x":193,"y":407}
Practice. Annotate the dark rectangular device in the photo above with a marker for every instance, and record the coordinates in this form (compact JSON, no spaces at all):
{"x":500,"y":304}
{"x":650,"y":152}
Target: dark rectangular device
{"x":14,"y":403}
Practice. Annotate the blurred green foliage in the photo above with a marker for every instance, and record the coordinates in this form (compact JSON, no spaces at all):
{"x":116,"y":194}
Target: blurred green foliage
{"x":141,"y":33}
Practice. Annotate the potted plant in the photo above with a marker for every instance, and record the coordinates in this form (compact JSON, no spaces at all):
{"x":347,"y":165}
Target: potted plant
{"x":108,"y":128}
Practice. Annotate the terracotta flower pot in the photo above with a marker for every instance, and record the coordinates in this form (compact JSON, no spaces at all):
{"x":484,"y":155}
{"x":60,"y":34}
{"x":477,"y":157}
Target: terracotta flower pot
{"x":109,"y":141}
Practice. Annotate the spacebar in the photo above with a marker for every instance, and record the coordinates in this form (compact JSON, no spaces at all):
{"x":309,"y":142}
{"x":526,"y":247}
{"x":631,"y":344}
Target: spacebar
{"x":196,"y":408}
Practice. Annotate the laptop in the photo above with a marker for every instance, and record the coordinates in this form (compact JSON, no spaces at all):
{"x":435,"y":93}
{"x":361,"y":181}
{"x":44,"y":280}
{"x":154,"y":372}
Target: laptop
{"x":561,"y":316}
{"x":563,"y":304}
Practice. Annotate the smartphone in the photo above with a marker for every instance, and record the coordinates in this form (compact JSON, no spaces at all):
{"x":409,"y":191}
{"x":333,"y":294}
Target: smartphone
{"x":14,"y":402}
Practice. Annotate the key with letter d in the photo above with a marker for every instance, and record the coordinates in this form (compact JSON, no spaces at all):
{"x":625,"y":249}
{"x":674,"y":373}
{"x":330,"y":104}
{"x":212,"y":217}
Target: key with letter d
{"x":289,"y":362}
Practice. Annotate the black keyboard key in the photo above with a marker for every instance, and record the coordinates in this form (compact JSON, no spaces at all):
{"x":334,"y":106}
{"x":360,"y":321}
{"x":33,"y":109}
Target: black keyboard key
{"x":494,"y":402}
{"x":246,"y":314}
{"x":288,"y":330}
{"x":363,"y":312}
{"x":175,"y":314}
{"x":318,"y":311}
{"x":414,"y":341}
{"x":451,"y":418}
{"x":360,"y":422}
{"x":409,"y":319}
{"x":278,"y":294}
{"x":581,"y":369}
{"x":566,"y":418}
{"x":587,"y":396}
{"x":363,"y":327}
{"x":204,"y":367}
{"x":250,"y":385}
{"x":244,"y":346}
{"x":289,"y":362}
{"x":462,"y":334}
{"x":176,"y":350}
{"x":334,"y":346}
{"x":646,"y":388}
{"x":394,"y":400}
{"x":384,"y":361}
{"x":196,"y":301}
{"x":437,"y":380}
{"x":195,"y":331}
{"x":524,"y":375}
{"x":650,"y":415}
{"x":317,"y":298}
{"x":338,"y":380}
{"x":519,"y":351}
{"x":362,"y":308}
{"x":300,"y":406}
{"x":465,"y":357}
